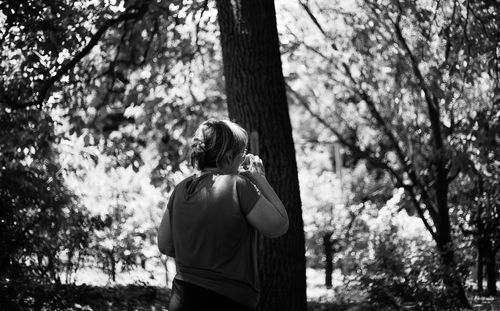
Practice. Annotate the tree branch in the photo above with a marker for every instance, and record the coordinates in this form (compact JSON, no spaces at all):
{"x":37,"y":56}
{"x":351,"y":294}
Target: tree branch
{"x":47,"y":85}
{"x":421,"y":213}
{"x":351,"y":222}
{"x":315,"y":21}
{"x":403,"y":159}
{"x":355,"y":149}
{"x":448,"y":39}
{"x":439,"y":155}
{"x":204,"y":7}
{"x":401,"y":156}
{"x":154,"y":32}
{"x":377,"y":162}
{"x":313,"y":18}
{"x":432,"y":104}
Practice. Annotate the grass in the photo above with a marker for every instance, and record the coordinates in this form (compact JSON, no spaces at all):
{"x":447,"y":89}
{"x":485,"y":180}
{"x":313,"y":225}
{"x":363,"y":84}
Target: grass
{"x":154,"y":298}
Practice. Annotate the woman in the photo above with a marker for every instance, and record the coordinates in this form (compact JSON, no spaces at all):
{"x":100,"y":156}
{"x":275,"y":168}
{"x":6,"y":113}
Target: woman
{"x":211,"y":220}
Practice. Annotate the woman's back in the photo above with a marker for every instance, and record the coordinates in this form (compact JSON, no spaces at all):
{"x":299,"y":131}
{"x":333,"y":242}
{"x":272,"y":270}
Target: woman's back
{"x":215,"y":247}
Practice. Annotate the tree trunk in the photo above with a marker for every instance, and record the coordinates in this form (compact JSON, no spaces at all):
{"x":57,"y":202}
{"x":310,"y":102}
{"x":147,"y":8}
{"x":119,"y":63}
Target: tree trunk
{"x":480,"y":242}
{"x":451,"y":279}
{"x":444,"y":242}
{"x":256,"y":99}
{"x":491,"y":270}
{"x":112,"y":267}
{"x":479,"y":268}
{"x":327,"y":246}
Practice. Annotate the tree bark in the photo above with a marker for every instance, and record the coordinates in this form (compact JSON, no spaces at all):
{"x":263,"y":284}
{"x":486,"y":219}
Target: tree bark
{"x":256,"y":99}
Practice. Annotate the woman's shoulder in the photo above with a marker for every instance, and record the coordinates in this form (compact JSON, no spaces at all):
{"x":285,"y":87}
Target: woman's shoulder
{"x":186,"y":180}
{"x":241,"y":181}
{"x":234,"y":177}
{"x":182,"y":184}
{"x":227,"y":180}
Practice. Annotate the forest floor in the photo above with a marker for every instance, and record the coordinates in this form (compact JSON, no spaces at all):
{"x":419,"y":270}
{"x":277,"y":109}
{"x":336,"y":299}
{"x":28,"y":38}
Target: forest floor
{"x":153,"y":298}
{"x":143,"y":291}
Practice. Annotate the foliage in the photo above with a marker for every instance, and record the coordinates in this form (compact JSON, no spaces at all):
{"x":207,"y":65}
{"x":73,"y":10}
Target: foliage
{"x":403,"y":78}
{"x":332,"y":203}
{"x":366,"y":71}
{"x":97,"y":100}
{"x":123,"y":77}
{"x":124,"y":206}
{"x":478,"y":185}
{"x":396,"y":268}
{"x":403,"y":271}
{"x":42,"y":224}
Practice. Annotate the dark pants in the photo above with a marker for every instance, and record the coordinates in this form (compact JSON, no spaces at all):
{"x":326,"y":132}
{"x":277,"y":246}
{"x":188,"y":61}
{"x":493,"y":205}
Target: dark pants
{"x":189,"y":297}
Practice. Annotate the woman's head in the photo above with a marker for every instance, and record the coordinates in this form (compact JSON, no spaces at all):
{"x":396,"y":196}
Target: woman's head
{"x":217,"y":143}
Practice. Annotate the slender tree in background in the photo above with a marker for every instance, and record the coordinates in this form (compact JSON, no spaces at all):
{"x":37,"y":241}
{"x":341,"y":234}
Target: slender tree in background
{"x":256,"y":98}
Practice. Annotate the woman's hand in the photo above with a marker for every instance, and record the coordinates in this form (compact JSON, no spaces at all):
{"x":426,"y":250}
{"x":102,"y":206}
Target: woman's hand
{"x":253,"y":164}
{"x":269,"y":215}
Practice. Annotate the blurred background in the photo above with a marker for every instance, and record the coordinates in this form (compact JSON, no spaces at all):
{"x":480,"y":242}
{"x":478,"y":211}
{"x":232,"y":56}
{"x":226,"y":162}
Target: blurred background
{"x":394,"y":107}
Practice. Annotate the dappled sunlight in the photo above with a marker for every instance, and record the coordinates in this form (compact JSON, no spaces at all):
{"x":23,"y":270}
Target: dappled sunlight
{"x":377,"y":123}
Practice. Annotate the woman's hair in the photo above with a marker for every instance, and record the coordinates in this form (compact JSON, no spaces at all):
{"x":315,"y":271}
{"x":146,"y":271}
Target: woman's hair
{"x":217,"y":142}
